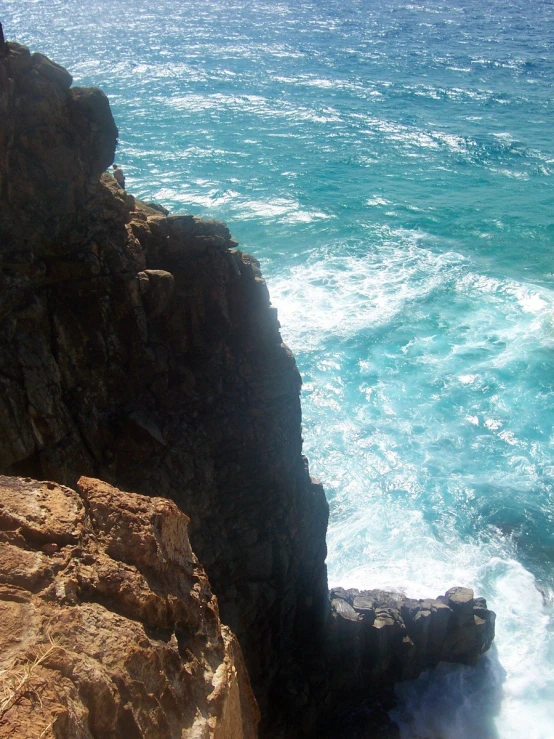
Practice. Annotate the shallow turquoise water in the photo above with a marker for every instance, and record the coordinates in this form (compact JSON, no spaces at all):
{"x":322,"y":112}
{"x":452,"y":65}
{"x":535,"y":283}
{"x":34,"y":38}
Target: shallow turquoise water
{"x":391,"y":164}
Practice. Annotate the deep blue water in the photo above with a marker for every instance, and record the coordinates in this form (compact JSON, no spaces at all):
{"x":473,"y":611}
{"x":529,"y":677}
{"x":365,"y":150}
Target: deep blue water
{"x":391,"y":164}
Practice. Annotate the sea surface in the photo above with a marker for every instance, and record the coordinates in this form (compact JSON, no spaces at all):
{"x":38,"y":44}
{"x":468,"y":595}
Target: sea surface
{"x":391,"y":164}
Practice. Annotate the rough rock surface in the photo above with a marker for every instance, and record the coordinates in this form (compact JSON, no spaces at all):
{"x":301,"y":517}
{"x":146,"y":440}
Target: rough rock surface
{"x":141,"y":348}
{"x":108,"y":627}
{"x":381,"y":638}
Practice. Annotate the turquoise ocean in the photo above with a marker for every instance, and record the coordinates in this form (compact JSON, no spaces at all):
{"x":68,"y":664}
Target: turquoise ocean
{"x":391,"y":165}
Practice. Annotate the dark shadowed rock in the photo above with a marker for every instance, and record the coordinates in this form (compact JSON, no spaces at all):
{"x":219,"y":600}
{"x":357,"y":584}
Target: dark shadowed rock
{"x":54,"y":143}
{"x":140,"y":349}
{"x":377,"y":639}
{"x":20,"y":61}
{"x":93,"y":117}
{"x":157,"y":290}
{"x":157,"y":207}
{"x":52,"y":71}
{"x":3,"y":46}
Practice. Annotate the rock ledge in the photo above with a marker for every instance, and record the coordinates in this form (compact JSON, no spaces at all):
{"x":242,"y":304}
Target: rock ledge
{"x":105,"y":608}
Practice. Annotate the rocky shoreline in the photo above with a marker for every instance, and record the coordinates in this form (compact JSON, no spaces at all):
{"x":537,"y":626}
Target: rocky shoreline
{"x":141,"y":349}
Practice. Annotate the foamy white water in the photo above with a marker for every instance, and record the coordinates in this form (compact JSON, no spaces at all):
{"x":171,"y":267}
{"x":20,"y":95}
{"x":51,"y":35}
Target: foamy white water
{"x":396,"y":436}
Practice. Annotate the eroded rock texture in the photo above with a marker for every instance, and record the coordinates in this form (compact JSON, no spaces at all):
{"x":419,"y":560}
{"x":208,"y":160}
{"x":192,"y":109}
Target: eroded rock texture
{"x":377,"y":638}
{"x":142,"y":349}
{"x":108,"y":626}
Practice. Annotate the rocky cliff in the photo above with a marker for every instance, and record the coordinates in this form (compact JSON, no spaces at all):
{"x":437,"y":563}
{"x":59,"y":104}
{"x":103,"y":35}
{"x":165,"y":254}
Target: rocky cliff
{"x":142,"y":349}
{"x":108,"y":627}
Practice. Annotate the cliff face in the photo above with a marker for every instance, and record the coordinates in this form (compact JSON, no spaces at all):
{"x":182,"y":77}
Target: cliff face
{"x":142,"y":349}
{"x":108,"y":627}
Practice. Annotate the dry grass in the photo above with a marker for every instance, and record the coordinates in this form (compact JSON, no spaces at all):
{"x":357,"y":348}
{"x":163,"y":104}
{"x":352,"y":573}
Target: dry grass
{"x":46,"y":729}
{"x":18,"y":682}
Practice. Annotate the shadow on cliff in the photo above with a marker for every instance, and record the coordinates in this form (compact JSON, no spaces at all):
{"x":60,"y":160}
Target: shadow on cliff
{"x":449,"y":702}
{"x":452,"y":701}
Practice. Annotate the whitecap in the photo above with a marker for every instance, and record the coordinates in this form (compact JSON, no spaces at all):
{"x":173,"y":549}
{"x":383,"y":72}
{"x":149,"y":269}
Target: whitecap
{"x":377,"y":200}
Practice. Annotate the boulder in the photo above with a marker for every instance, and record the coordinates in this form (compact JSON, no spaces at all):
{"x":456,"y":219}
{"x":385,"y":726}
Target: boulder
{"x":108,"y":624}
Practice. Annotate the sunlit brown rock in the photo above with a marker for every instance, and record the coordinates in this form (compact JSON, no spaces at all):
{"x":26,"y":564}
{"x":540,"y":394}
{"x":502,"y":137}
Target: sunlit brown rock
{"x":108,"y":626}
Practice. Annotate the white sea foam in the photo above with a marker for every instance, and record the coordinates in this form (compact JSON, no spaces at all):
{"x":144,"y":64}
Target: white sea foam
{"x":344,"y":295}
{"x":458,"y":703}
{"x":281,"y":209}
{"x":379,"y":535}
{"x":254,"y":104}
{"x":377,"y":200}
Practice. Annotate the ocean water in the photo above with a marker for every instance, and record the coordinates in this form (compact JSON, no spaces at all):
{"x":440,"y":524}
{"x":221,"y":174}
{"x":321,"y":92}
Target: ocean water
{"x":391,"y":164}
